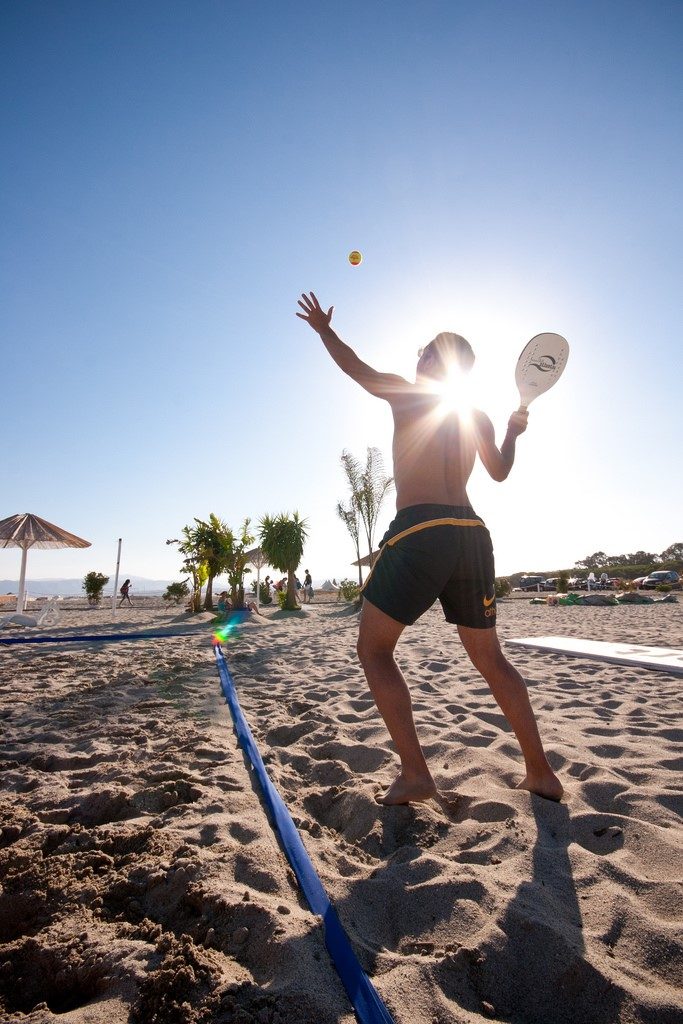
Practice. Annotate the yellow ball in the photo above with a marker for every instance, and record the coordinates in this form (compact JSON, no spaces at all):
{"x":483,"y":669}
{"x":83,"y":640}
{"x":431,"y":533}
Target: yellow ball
{"x":355,"y":258}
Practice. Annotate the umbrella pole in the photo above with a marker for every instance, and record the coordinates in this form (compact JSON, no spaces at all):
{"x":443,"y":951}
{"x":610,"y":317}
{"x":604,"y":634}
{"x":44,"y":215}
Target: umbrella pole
{"x":21,"y":596}
{"x":116,"y":581}
{"x":258,"y":587}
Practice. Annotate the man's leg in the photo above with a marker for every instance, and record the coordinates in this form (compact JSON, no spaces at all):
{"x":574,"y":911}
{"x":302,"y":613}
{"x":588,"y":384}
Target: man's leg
{"x":377,"y":640}
{"x":510,"y":691}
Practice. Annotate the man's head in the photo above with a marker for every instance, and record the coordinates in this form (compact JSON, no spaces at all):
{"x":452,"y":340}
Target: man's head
{"x":445,"y":351}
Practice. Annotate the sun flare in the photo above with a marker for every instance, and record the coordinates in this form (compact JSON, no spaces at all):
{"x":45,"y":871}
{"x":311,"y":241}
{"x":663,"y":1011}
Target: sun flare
{"x":455,"y":395}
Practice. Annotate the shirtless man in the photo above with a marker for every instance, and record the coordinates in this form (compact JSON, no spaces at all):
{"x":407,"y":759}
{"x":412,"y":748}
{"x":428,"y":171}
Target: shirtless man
{"x":436,"y":547}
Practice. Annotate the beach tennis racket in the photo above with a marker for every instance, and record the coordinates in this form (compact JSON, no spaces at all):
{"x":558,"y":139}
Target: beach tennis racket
{"x":540,"y":365}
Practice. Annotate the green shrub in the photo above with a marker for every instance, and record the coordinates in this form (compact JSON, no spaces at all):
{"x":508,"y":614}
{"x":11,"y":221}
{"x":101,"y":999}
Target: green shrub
{"x":663,"y":588}
{"x":265,"y":597}
{"x":350,"y":590}
{"x":176,"y":592}
{"x":562,"y":583}
{"x":93,"y":584}
{"x":281,"y":598}
{"x":503,"y":586}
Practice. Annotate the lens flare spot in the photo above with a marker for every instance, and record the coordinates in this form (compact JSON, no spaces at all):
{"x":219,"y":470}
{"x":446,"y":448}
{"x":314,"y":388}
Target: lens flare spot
{"x":229,"y":630}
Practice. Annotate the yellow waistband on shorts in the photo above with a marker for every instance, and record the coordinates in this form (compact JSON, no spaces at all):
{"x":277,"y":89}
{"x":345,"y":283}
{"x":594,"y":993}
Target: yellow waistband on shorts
{"x":433,"y":522}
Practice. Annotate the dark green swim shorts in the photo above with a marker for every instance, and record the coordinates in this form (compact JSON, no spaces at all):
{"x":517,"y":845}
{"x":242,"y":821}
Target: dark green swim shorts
{"x":432,"y":551}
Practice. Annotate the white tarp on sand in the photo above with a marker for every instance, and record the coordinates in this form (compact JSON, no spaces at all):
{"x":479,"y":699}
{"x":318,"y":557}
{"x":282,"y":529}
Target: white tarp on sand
{"x":665,"y":659}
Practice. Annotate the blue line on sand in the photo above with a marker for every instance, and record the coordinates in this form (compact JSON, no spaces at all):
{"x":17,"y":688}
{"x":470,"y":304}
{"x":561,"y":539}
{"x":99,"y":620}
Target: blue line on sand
{"x":367,"y":1005}
{"x":98,"y":637}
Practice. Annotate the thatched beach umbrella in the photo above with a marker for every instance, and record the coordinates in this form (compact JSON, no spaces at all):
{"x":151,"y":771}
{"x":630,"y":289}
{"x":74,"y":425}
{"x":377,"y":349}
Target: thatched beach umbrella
{"x":27,"y":531}
{"x":365,"y":562}
{"x":257,"y":558}
{"x":367,"y":559}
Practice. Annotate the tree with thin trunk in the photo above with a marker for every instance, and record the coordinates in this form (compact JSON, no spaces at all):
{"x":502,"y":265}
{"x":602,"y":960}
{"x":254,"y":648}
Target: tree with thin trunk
{"x":369,"y":487}
{"x":282,"y":542}
{"x":350,"y":517}
{"x":193,"y":564}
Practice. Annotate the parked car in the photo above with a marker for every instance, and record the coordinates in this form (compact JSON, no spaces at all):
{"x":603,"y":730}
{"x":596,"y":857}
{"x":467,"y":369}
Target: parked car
{"x":669,"y":576}
{"x":551,"y":583}
{"x":577,"y":583}
{"x":531,"y":583}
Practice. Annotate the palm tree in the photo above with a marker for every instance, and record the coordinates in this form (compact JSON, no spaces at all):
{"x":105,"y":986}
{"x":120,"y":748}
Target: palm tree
{"x":282,"y":542}
{"x":369,"y":487}
{"x":214,"y":541}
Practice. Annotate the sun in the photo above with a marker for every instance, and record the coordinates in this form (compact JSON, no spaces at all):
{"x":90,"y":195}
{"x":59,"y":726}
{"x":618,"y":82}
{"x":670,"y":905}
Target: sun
{"x":455,"y":395}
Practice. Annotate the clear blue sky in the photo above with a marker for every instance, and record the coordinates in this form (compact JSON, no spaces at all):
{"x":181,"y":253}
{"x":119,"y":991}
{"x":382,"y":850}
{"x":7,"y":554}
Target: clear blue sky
{"x":175,"y":174}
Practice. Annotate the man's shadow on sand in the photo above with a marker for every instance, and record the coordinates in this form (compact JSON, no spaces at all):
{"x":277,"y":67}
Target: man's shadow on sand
{"x":529,"y":964}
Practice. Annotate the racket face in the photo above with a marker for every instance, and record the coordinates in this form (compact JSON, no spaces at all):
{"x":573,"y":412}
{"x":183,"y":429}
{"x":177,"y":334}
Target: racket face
{"x":540,"y":365}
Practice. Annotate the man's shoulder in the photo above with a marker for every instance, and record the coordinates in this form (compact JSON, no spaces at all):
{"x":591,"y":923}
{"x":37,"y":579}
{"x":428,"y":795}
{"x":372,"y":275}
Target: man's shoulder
{"x":480,"y":418}
{"x":393,"y":387}
{"x":395,"y":381}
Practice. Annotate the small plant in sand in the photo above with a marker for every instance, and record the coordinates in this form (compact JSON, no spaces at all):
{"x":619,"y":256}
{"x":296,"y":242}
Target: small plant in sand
{"x":349,"y":590}
{"x":265,"y":596}
{"x":282,"y":542}
{"x":562,"y":583}
{"x":93,"y":584}
{"x":175,"y":593}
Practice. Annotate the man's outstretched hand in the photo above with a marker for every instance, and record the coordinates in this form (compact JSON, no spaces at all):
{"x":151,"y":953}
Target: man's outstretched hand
{"x":313,"y":314}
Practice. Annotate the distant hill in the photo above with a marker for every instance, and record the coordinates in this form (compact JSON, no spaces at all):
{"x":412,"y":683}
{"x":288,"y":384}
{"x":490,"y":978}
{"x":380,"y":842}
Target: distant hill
{"x":74,"y":587}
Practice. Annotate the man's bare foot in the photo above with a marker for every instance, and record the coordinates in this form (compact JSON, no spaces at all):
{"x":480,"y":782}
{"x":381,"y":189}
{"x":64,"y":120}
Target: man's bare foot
{"x":544,"y":784}
{"x":404,"y":791}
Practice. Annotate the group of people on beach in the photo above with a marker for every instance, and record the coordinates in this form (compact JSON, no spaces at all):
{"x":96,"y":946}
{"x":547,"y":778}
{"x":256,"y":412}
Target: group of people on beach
{"x":305,"y":588}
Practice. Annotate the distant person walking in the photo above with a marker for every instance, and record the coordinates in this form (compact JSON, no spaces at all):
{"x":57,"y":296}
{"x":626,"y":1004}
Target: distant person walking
{"x":124,"y":591}
{"x":308,"y":588}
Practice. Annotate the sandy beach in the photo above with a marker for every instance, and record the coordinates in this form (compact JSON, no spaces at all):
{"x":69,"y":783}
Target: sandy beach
{"x":141,"y":881}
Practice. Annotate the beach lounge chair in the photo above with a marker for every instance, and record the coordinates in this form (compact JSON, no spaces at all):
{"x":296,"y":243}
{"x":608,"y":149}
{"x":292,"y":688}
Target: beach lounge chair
{"x":18,"y":620}
{"x":49,"y":616}
{"x":50,"y":613}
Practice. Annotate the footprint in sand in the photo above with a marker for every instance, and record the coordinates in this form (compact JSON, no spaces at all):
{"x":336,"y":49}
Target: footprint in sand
{"x":358,"y":757}
{"x":597,"y":833}
{"x":285,"y":735}
{"x":248,"y":873}
{"x":608,"y":750}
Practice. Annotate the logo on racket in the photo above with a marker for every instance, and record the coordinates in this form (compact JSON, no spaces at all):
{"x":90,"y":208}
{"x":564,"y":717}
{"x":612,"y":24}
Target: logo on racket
{"x":545,"y":364}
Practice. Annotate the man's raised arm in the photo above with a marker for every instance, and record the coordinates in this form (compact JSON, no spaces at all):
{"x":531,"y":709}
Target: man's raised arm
{"x":498,"y":463}
{"x":382,"y":385}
